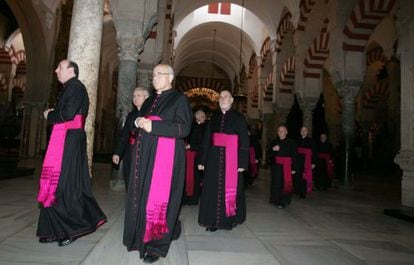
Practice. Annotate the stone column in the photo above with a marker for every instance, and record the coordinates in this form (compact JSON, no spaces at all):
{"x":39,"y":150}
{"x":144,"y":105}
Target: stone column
{"x":347,"y":90}
{"x":308,"y":105}
{"x":84,"y":49}
{"x":405,"y":158}
{"x":268,"y":134}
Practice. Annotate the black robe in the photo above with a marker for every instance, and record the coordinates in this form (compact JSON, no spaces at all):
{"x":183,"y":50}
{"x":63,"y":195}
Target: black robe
{"x":194,"y":140}
{"x":322,"y":179}
{"x":287,"y":149}
{"x":175,"y":111}
{"x":255,"y":144}
{"x":299,"y":181}
{"x":124,"y":144}
{"x":212,"y":203}
{"x":76,"y":211}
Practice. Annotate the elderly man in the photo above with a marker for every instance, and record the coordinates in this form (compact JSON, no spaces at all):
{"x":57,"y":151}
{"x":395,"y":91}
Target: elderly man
{"x":126,"y":139}
{"x":158,"y":169}
{"x":224,"y":156}
{"x":68,"y":207}
{"x":307,"y":159}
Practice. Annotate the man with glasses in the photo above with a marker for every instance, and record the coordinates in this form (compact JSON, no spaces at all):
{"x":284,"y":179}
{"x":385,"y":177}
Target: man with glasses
{"x":158,"y":169}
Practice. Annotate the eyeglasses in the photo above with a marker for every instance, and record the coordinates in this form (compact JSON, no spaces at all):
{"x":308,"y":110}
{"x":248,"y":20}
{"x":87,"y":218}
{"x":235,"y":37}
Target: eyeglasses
{"x":159,"y":74}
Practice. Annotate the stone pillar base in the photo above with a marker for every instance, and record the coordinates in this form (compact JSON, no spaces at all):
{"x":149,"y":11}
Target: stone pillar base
{"x":406,"y":161}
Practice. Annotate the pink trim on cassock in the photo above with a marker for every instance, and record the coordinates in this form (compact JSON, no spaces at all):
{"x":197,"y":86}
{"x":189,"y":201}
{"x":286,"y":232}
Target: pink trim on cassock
{"x":52,"y":164}
{"x":189,"y":172}
{"x":160,"y":188}
{"x":230,"y":142}
{"x":329,"y":166}
{"x":307,"y":167}
{"x":252,"y":162}
{"x":286,"y":163}
{"x":131,"y":138}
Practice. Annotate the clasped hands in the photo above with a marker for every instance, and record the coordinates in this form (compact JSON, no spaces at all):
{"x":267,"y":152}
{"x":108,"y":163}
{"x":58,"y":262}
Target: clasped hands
{"x":144,"y":123}
{"x":46,"y":112}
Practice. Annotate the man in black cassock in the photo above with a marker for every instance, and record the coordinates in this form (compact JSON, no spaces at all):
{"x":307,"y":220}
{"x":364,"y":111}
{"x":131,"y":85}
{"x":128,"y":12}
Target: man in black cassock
{"x":307,"y":158}
{"x":225,"y":155}
{"x":255,"y":155}
{"x":68,"y":209}
{"x":325,"y":166}
{"x":157,"y":174}
{"x":283,"y":160}
{"x":126,"y":138}
{"x":193,"y":175}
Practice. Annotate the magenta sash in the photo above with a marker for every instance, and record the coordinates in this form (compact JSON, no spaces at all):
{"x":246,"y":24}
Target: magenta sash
{"x":52,"y":164}
{"x":286,"y":163}
{"x":252,"y":160}
{"x":131,"y":138}
{"x":230,"y":142}
{"x":189,"y":172}
{"x":160,"y":188}
{"x":329,"y":166}
{"x":307,"y":167}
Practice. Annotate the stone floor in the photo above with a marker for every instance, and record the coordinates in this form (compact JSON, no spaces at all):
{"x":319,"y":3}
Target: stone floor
{"x":338,"y":227}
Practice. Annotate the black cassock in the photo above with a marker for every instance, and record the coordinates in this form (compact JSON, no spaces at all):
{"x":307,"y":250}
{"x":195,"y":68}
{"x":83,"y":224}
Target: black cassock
{"x":287,"y":149}
{"x":212,"y":203}
{"x":75,"y":212}
{"x":194,"y":140}
{"x":300,"y":182}
{"x":126,"y":139}
{"x":249,"y":177}
{"x":322,"y":177}
{"x":174,"y":110}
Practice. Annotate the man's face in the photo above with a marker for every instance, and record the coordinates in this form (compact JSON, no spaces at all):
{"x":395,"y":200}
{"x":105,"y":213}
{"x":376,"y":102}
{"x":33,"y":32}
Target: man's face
{"x":225,"y":100}
{"x":304,"y":132}
{"x":200,"y":116}
{"x":323,"y":138}
{"x":161,"y":78}
{"x":139,"y":98}
{"x":282,"y":132}
{"x":64,"y":73}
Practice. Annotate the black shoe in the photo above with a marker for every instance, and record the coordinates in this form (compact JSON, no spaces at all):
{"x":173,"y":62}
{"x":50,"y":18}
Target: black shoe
{"x":46,"y":240}
{"x":66,"y":241}
{"x":211,"y":229}
{"x":302,"y":196}
{"x":150,"y":258}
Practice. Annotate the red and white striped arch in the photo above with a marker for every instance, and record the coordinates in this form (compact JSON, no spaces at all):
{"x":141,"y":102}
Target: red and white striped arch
{"x":266,"y":50}
{"x":285,"y":26}
{"x":305,"y":9}
{"x":21,"y":62}
{"x":376,"y":94}
{"x":376,"y":54}
{"x":200,"y":82}
{"x":6,"y":55}
{"x":363,"y":20}
{"x":287,"y":76}
{"x":252,"y":65}
{"x":254,"y":96}
{"x":268,"y":88}
{"x":317,"y":54}
{"x":19,"y":84}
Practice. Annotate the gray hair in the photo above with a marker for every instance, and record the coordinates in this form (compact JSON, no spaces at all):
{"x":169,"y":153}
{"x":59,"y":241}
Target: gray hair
{"x":145,"y":91}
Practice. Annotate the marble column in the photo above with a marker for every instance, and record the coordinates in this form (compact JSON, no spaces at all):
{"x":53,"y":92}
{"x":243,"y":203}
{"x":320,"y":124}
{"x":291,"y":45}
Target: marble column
{"x":84,"y":49}
{"x":347,"y":90}
{"x":308,"y":105}
{"x":405,"y":158}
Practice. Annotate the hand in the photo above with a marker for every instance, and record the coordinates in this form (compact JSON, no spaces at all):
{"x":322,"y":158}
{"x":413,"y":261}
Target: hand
{"x":313,"y":165}
{"x":293,"y":172}
{"x":115,"y":159}
{"x":145,"y":124}
{"x":187,"y":146}
{"x":276,"y":148}
{"x":200,"y":167}
{"x":240,"y":169}
{"x":256,"y":161}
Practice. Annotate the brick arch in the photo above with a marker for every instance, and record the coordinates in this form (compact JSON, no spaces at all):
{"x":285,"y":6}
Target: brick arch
{"x":375,"y":94}
{"x":268,"y":88}
{"x":18,"y":83}
{"x":266,"y":50}
{"x":200,"y":82}
{"x":254,"y":96}
{"x":6,"y":55}
{"x":287,"y":76}
{"x":317,"y":53}
{"x":363,"y":20}
{"x":305,"y":10}
{"x":285,"y":26}
{"x":252,"y":65}
{"x":374,"y":55}
{"x":21,"y":62}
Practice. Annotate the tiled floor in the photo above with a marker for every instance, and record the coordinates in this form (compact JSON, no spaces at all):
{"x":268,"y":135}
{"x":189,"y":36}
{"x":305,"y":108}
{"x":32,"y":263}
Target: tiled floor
{"x":338,"y":227}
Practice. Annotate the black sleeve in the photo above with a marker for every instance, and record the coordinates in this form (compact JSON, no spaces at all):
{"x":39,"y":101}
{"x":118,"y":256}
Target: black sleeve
{"x":124,"y":135}
{"x":180,"y":126}
{"x":68,"y":105}
{"x":205,"y":143}
{"x":243,"y":143}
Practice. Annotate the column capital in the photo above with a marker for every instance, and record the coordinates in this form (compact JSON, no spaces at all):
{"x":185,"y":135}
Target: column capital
{"x":129,"y":46}
{"x":307,"y":103}
{"x":348,"y":89}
